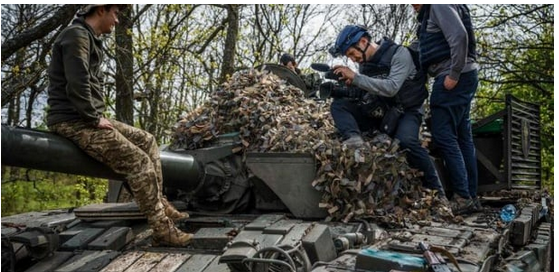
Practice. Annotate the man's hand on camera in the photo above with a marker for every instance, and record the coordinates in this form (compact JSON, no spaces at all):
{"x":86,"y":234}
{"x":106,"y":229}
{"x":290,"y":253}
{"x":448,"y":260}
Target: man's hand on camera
{"x":346,"y":74}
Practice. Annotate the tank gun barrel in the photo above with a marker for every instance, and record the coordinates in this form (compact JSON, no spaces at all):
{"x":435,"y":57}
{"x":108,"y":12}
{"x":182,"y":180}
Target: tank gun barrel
{"x":41,"y":150}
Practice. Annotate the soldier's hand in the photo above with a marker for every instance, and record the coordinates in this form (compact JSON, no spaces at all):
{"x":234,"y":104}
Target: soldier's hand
{"x":104,"y":123}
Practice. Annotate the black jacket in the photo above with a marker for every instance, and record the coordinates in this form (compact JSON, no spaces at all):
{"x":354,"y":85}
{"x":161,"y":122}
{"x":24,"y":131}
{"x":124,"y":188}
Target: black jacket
{"x":76,"y":78}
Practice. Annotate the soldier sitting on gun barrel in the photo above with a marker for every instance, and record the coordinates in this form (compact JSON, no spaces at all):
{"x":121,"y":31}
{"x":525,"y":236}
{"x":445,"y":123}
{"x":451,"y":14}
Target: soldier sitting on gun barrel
{"x":77,"y":112}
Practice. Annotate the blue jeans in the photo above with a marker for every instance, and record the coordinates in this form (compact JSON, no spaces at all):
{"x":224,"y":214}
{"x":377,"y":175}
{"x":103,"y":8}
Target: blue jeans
{"x":350,"y":120}
{"x":418,"y":157}
{"x":452,"y":131}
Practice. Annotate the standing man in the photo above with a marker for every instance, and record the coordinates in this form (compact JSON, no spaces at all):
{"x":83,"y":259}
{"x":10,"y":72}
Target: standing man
{"x":387,"y":73}
{"x":448,"y":52}
{"x":76,"y":108}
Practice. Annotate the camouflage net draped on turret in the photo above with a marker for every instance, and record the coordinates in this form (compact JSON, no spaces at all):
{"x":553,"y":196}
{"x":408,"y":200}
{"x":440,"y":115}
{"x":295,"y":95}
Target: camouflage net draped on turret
{"x":272,"y":116}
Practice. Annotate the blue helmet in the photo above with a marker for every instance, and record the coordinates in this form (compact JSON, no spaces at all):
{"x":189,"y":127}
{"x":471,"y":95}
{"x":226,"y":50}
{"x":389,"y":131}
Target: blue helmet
{"x":349,"y":36}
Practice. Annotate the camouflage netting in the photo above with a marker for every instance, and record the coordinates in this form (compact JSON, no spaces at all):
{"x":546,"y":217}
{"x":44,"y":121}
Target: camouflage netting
{"x":272,"y":116}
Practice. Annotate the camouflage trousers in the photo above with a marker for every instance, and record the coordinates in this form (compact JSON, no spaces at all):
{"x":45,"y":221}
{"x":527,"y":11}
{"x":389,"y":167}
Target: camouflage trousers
{"x":127,"y":150}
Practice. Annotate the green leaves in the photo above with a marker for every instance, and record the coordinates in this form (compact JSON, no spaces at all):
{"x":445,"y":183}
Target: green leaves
{"x":50,"y":191}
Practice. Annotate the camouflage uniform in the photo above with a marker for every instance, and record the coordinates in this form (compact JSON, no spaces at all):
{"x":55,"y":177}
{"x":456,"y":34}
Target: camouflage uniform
{"x":133,"y":153}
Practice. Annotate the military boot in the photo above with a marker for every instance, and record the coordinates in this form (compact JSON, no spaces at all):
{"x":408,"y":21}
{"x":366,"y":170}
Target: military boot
{"x":172,"y":212}
{"x":148,"y":198}
{"x":165,"y":233}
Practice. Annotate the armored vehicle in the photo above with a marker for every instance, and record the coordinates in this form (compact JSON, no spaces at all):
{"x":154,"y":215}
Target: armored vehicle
{"x":260,"y":213}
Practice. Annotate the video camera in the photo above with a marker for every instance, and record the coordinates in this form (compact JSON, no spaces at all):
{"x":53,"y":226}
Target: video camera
{"x":329,"y":72}
{"x":338,"y":88}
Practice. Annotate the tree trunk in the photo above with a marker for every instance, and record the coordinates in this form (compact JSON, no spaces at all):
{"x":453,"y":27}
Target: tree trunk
{"x":124,"y":69}
{"x":29,"y":110}
{"x":228,"y":65}
{"x":61,"y":17}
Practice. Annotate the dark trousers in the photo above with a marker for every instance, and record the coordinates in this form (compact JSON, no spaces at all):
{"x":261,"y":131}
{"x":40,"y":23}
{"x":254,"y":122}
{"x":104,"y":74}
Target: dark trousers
{"x":349,"y":120}
{"x":452,"y":131}
{"x":418,"y":157}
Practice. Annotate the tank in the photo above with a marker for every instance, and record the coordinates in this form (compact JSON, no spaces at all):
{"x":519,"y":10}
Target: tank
{"x":259,"y":212}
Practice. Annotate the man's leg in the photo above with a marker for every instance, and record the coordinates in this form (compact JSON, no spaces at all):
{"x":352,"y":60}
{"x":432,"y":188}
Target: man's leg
{"x":468,"y":82}
{"x":110,"y":147}
{"x":418,"y":157}
{"x":346,"y":115}
{"x":146,"y":141}
{"x":447,"y":108}
{"x":466,"y":142}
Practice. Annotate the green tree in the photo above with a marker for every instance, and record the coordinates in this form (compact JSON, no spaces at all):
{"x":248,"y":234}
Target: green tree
{"x":516,"y":46}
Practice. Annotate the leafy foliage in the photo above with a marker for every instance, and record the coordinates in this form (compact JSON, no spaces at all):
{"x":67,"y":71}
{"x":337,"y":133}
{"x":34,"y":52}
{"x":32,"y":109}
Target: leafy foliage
{"x":46,"y":192}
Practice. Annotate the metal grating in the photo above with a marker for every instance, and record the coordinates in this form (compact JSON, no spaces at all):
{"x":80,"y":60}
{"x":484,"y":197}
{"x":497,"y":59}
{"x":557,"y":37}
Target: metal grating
{"x":523,"y":157}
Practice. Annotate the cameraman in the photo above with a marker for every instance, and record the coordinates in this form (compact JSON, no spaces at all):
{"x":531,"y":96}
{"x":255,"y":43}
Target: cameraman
{"x":388,"y":74}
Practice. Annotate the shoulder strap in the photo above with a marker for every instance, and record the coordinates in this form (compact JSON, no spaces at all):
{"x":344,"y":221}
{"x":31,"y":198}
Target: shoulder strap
{"x":415,"y":57}
{"x":385,"y":52}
